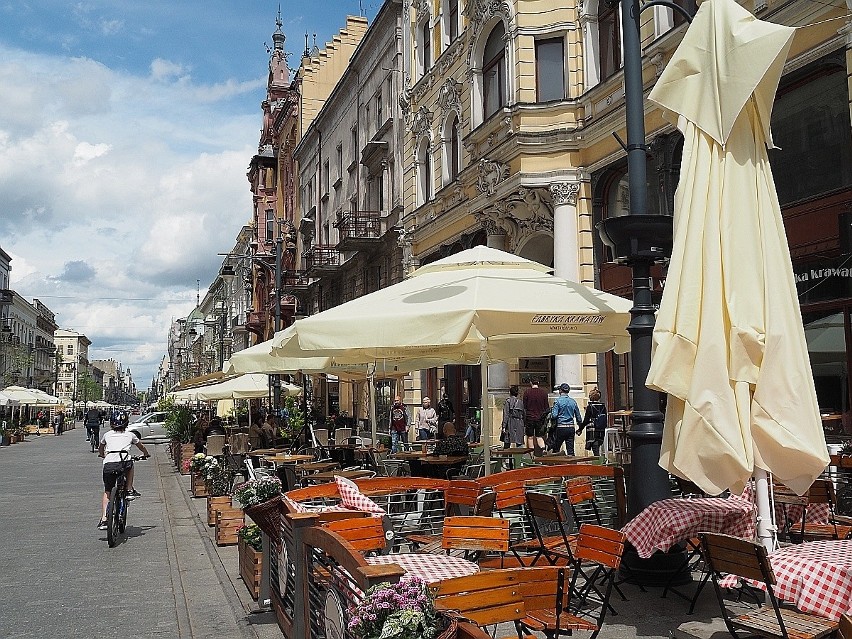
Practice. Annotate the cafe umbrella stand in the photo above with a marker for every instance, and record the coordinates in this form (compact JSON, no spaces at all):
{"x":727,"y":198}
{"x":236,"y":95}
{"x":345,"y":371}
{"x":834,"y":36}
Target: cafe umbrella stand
{"x":640,"y":240}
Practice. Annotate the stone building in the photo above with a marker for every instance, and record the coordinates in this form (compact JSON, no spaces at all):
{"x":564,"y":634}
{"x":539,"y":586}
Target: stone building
{"x":72,"y":351}
{"x":350,"y":172}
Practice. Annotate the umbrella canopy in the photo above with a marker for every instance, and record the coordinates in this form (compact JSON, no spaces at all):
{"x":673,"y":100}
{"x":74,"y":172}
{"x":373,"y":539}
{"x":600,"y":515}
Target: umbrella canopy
{"x":453,"y":308}
{"x":247,"y":386}
{"x":29,"y":396}
{"x":729,"y":346}
{"x":5,"y":400}
{"x":826,"y":338}
{"x":477,"y":306}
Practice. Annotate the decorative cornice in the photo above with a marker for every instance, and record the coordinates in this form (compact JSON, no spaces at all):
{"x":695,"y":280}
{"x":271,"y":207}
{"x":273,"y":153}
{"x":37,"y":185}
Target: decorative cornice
{"x":422,"y":10}
{"x":481,"y":11}
{"x":562,"y":193}
{"x":491,"y":173}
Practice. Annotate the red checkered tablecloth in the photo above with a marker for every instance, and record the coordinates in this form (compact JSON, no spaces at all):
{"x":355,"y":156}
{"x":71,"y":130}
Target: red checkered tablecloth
{"x":664,"y":523}
{"x":429,"y":568}
{"x":816,"y":513}
{"x":815,"y":576}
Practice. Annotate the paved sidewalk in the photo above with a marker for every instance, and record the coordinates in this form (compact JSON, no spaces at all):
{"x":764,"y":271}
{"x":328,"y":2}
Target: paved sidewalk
{"x":58,"y":578}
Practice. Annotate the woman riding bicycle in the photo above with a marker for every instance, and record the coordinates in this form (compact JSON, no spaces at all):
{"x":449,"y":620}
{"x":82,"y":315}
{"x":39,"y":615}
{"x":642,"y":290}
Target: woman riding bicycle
{"x":115,"y":449}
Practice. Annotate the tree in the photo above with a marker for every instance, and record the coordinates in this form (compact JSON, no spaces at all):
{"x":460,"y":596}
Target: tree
{"x":88,"y":389}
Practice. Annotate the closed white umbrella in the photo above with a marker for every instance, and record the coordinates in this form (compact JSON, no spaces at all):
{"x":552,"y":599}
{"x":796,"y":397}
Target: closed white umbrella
{"x":729,"y":347}
{"x":478,"y":306}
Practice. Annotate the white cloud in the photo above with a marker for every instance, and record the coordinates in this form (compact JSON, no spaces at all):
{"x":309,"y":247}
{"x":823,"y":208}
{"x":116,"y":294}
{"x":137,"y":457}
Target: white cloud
{"x":118,"y":191}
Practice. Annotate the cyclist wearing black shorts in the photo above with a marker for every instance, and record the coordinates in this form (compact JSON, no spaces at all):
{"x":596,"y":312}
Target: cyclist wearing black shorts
{"x":93,"y":424}
{"x":113,"y":443}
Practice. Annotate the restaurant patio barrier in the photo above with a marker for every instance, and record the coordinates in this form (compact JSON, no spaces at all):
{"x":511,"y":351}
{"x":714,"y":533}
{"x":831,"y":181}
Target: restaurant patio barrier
{"x":317,"y":576}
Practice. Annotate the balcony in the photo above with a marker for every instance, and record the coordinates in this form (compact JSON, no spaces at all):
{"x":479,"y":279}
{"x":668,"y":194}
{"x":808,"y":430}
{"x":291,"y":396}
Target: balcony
{"x":359,"y":230}
{"x":256,"y":322}
{"x":321,"y":259}
{"x":294,"y":282}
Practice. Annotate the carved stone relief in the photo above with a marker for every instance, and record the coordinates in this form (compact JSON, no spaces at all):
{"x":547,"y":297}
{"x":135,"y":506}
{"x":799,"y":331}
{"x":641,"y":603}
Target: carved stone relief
{"x":422,"y":122}
{"x":520,"y":215}
{"x":480,"y":12}
{"x":449,"y":96}
{"x":421,"y":9}
{"x":491,"y":173}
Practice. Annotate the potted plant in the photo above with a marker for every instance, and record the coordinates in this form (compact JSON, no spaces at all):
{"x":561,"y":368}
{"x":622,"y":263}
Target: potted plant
{"x":179,"y":426}
{"x":5,"y":434}
{"x":197,"y":467}
{"x":844,"y":469}
{"x":404,"y":610}
{"x":261,"y":499}
{"x":251,"y":557}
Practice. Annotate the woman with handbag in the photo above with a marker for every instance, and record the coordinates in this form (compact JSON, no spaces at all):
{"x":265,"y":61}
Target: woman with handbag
{"x":596,"y":420}
{"x":513,"y":420}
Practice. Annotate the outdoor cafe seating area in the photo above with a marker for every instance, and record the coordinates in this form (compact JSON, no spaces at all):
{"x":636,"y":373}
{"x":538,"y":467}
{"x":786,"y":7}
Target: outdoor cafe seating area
{"x":537,"y":550}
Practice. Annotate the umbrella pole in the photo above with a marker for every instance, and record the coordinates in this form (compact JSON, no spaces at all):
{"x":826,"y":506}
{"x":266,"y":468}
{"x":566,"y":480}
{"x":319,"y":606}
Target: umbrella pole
{"x":485,"y":426}
{"x":374,"y":426}
{"x":765,"y":527}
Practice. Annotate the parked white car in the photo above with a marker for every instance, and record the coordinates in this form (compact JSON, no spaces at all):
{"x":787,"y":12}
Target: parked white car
{"x":150,"y":426}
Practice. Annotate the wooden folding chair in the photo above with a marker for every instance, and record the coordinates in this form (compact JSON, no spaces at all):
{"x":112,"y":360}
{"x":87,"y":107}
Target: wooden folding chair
{"x":845,"y":630}
{"x":365,"y":534}
{"x":821,"y":492}
{"x":749,"y":560}
{"x":554,"y":542}
{"x":476,"y":536}
{"x":582,"y":500}
{"x":459,"y":493}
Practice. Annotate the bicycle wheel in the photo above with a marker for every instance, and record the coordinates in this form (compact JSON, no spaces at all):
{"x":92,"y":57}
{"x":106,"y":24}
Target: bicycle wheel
{"x":122,"y":513}
{"x":112,"y":517}
{"x":94,"y":442}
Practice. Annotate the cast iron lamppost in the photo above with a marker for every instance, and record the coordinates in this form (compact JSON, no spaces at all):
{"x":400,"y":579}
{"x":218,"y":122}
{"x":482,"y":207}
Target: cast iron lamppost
{"x":641,"y":240}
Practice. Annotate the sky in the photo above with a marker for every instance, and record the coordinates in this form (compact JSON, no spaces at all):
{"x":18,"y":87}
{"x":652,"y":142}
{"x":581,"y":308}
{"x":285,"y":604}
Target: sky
{"x":126,"y":129}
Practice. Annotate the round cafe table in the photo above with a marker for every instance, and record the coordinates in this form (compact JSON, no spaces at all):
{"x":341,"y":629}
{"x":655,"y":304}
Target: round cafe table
{"x":815,"y":576}
{"x":430,"y":568}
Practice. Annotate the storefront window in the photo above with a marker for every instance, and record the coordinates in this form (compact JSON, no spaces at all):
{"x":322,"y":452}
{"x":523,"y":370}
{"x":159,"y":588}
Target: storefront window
{"x":811,"y":127}
{"x":826,"y":334}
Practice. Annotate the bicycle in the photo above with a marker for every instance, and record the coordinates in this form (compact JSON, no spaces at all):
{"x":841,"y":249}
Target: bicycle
{"x":116,"y":517}
{"x":94,"y":433}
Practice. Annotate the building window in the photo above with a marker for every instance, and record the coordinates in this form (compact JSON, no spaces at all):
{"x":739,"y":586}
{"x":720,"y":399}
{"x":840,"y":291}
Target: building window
{"x":354,"y":138}
{"x":452,"y":150}
{"x":494,"y":72}
{"x":454,"y":19}
{"x":70,"y":349}
{"x":380,"y":192}
{"x":609,"y":40}
{"x":339,"y":161}
{"x":424,"y":172}
{"x":389,"y":92}
{"x":270,"y":225}
{"x":380,"y":112}
{"x":426,"y":39}
{"x":325,"y":179}
{"x":550,"y":69}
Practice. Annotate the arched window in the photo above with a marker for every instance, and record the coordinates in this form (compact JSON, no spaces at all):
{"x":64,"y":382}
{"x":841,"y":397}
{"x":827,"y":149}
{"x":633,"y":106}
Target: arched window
{"x":452,"y":150}
{"x":424,"y":172}
{"x":609,"y":39}
{"x":494,"y":72}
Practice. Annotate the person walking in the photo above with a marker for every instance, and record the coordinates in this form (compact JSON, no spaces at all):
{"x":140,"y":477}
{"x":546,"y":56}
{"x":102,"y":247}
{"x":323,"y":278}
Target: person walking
{"x":536,"y":413}
{"x":398,"y":424}
{"x":446,"y":411}
{"x":595,"y":420}
{"x":566,"y":414}
{"x":427,"y":421}
{"x":512,"y":431}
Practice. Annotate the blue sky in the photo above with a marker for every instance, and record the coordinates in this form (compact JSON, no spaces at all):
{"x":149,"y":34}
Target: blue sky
{"x":125,"y":133}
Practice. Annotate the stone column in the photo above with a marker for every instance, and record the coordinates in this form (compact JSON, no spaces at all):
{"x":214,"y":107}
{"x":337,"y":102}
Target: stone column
{"x":498,"y":373}
{"x":566,"y":264}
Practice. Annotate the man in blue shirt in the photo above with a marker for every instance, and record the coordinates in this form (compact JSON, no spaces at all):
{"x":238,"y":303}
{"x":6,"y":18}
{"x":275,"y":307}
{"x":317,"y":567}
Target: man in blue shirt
{"x":566,"y":414}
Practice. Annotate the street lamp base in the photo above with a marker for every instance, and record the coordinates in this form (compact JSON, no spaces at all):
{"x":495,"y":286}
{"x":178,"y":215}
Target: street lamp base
{"x":660,"y":569}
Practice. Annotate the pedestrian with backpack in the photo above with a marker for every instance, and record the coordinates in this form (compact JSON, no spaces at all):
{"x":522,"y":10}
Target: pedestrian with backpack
{"x":596,"y":421}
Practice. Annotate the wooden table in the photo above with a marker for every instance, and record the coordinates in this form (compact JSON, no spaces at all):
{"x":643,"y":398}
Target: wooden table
{"x":412,"y":454}
{"x":288,"y":459}
{"x":508,"y":452}
{"x":447,"y":460}
{"x":260,"y":452}
{"x":315,"y":467}
{"x":327,"y":476}
{"x":623,"y":415}
{"x":555,"y":460}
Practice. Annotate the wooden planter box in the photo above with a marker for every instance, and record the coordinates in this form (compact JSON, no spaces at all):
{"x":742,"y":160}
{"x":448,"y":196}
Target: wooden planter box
{"x":228,"y":521}
{"x":199,"y":486}
{"x":186,"y":453}
{"x":213,"y":506}
{"x":251,"y":562}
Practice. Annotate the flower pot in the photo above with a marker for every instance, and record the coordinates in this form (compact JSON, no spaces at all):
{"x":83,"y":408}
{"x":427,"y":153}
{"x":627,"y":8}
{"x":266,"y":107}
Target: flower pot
{"x":213,"y":505}
{"x":228,"y":521}
{"x":5,"y":440}
{"x":199,"y":486}
{"x":186,"y":453}
{"x":251,"y":564}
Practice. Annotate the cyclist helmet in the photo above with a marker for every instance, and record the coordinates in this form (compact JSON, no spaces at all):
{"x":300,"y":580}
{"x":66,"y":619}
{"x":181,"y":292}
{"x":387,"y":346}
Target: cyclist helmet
{"x":120,"y":420}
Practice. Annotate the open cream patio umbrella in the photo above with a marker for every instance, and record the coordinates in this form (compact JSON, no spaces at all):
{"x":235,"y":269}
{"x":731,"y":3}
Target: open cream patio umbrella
{"x":260,"y":359}
{"x":248,"y":386}
{"x":729,"y":347}
{"x":478,"y":306}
